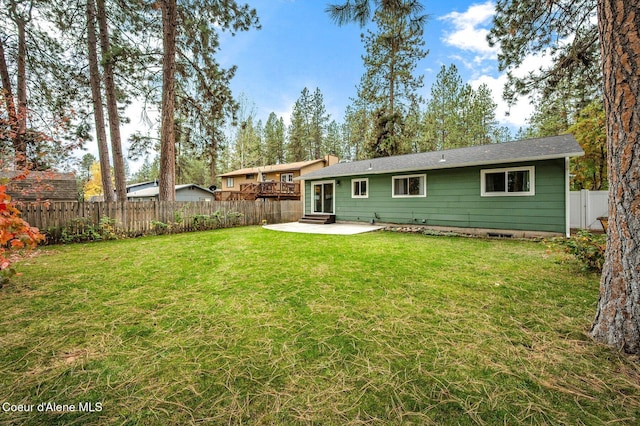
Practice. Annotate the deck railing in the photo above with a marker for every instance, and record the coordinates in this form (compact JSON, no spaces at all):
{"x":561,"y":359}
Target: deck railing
{"x":271,"y":189}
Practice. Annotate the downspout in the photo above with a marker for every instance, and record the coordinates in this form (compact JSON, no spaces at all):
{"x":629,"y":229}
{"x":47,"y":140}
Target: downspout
{"x":567,"y":194}
{"x":303,"y":197}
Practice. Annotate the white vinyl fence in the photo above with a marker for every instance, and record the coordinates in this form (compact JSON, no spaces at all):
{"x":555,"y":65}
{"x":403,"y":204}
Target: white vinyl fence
{"x":586,"y":207}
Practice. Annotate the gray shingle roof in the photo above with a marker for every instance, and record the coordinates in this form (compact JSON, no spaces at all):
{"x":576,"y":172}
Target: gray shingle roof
{"x":509,"y":152}
{"x":154,"y":191}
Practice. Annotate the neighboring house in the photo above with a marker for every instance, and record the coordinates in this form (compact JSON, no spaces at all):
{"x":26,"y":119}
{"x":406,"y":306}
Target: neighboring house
{"x":130,"y":188}
{"x":494,"y":189}
{"x":187,"y":192}
{"x":142,"y":185}
{"x":272,"y":181}
{"x":41,"y":186}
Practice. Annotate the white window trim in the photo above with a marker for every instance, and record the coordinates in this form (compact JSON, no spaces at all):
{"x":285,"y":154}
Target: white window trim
{"x":532,"y":182}
{"x":230,"y":181}
{"x":365,"y":180}
{"x":333,"y":201}
{"x":393,"y":186}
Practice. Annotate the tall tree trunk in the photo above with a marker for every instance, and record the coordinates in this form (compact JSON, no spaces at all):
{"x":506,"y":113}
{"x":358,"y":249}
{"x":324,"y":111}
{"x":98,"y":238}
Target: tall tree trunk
{"x":98,"y":112}
{"x":20,"y":142}
{"x":167,"y":176}
{"x":18,"y":118}
{"x":9,"y":101}
{"x":213,"y":157}
{"x":112,"y":103}
{"x":617,"y":321}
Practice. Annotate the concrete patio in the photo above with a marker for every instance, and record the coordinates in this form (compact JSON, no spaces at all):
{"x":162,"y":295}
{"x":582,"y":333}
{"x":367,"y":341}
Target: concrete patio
{"x":332,"y":228}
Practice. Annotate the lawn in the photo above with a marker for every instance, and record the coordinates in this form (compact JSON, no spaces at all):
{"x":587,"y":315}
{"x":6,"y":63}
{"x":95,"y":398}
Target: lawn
{"x":251,"y":326}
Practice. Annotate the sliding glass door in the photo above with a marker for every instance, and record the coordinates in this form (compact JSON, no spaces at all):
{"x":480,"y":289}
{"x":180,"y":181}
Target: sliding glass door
{"x":323,"y":197}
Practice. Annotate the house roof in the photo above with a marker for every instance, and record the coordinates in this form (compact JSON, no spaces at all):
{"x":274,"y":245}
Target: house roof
{"x":39,"y":186}
{"x":509,"y":152}
{"x":154,"y":191}
{"x":134,"y":185}
{"x":272,"y":168}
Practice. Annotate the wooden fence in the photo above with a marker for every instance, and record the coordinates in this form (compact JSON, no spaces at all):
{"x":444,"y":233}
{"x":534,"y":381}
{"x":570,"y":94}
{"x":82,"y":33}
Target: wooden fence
{"x":150,"y":217}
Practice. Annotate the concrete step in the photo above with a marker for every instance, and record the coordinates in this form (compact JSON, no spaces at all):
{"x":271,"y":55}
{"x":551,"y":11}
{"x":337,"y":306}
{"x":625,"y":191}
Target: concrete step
{"x":322,"y":219}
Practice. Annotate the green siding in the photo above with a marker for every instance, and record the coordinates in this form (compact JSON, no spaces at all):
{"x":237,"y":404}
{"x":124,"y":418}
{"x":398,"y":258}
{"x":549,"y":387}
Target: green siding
{"x":453,"y":199}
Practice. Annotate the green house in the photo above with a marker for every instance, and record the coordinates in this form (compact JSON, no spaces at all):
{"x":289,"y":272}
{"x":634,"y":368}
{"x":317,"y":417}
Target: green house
{"x":514,"y":188}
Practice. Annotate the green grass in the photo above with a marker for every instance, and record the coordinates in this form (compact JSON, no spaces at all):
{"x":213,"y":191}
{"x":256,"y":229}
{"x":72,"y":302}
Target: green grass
{"x":251,"y":326}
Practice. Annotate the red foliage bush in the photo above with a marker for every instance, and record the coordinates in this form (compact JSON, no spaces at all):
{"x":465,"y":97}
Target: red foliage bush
{"x":15,"y":234}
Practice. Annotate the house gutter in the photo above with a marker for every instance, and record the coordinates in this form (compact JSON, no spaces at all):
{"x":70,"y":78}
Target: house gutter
{"x":442,"y":166}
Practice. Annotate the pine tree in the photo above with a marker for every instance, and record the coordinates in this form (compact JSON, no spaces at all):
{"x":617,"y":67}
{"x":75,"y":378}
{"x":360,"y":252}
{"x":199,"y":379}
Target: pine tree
{"x":304,"y":105}
{"x":318,"y":121}
{"x":389,"y":84}
{"x":167,"y":178}
{"x":248,"y":145}
{"x":98,"y":111}
{"x":527,"y":27}
{"x":358,"y":128}
{"x":442,"y":115}
{"x":481,"y":122}
{"x":568,"y":29}
{"x":20,"y":15}
{"x":274,"y":139}
{"x":307,"y":131}
{"x":191,"y":29}
{"x":148,"y":171}
{"x":413,"y":131}
{"x":457,"y":115}
{"x":297,"y":133}
{"x":39,"y":85}
{"x":333,"y":140}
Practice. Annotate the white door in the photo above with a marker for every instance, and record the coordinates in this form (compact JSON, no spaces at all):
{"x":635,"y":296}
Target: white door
{"x":323,"y":197}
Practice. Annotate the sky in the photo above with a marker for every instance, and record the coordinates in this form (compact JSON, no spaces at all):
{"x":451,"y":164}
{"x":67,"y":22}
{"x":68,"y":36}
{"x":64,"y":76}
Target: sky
{"x":298,"y":46}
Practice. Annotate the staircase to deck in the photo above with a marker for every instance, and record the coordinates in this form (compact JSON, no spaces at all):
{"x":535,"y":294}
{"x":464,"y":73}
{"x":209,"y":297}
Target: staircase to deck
{"x":319,"y":219}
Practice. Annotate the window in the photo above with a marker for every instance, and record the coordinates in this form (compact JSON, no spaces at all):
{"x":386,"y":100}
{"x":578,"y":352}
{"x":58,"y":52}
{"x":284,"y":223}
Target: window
{"x":286,"y":177}
{"x":250,"y":176}
{"x":409,"y":186}
{"x":515,"y":181}
{"x":229,"y":182}
{"x":360,"y":188}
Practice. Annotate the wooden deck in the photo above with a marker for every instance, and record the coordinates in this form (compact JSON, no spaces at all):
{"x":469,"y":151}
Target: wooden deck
{"x":253,"y":191}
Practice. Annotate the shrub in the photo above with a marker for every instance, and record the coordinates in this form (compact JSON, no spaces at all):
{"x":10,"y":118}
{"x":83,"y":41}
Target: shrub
{"x":589,"y":248}
{"x":107,"y":228}
{"x":15,"y":234}
{"x":234,"y":218}
{"x":203,"y":222}
{"x":82,"y":230}
{"x":160,"y":228}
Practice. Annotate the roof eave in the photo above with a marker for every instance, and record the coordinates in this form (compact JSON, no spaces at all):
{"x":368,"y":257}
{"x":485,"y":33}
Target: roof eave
{"x":276,"y":168}
{"x":443,"y":166}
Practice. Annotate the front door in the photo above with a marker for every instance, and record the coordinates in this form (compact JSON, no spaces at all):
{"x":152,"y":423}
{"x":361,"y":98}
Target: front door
{"x":323,"y":197}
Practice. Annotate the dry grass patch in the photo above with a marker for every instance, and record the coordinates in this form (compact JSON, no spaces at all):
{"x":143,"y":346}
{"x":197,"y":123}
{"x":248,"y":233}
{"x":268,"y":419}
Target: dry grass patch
{"x":257,"y":327}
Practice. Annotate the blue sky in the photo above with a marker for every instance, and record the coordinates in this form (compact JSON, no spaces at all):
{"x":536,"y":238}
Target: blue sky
{"x":298,"y":46}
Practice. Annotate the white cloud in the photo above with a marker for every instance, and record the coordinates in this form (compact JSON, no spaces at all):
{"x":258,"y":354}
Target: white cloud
{"x":469,"y":34}
{"x":518,"y":114}
{"x":470,"y":31}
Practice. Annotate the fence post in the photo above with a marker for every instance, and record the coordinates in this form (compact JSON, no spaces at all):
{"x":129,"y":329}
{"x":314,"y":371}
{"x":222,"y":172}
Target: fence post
{"x":585,"y":203}
{"x":135,"y":218}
